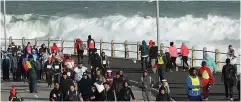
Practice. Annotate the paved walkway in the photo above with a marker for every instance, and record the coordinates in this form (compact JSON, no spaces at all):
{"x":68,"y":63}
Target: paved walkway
{"x":133,"y":71}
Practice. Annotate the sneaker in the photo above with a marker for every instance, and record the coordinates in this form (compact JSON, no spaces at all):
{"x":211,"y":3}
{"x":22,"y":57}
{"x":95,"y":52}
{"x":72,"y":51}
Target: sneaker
{"x":231,"y":99}
{"x":176,"y":69}
{"x":206,"y":99}
{"x":184,"y":70}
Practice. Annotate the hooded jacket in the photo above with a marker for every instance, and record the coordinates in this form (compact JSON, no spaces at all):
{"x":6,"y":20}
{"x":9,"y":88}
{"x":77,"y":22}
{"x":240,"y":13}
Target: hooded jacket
{"x":54,"y":48}
{"x":150,"y":44}
{"x":206,"y":81}
{"x":144,"y":49}
{"x":210,"y":63}
{"x":84,"y":86}
{"x":76,"y":45}
{"x":184,"y":50}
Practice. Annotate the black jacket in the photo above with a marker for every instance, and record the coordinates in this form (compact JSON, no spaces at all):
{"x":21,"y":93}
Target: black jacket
{"x":72,"y":96}
{"x":31,"y":71}
{"x":229,"y":74}
{"x":108,"y":95}
{"x":84,"y":86}
{"x":153,"y":53}
{"x":56,"y":95}
{"x":48,"y":69}
{"x":164,"y":97}
{"x":96,"y":60}
{"x":126,"y":94}
{"x":65,"y":85}
{"x":117,"y":84}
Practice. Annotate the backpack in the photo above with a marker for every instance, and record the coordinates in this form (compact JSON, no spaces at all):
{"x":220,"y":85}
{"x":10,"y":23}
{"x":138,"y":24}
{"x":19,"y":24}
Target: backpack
{"x":205,"y":75}
{"x":143,"y":79}
{"x":81,"y":46}
{"x":229,"y":72}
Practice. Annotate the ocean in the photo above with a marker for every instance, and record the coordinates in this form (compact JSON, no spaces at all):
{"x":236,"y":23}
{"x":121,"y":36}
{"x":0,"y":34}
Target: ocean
{"x":211,"y":24}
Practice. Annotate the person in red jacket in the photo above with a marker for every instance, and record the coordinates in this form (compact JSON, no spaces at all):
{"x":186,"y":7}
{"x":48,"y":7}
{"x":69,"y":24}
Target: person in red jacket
{"x":54,"y":48}
{"x":207,"y":79}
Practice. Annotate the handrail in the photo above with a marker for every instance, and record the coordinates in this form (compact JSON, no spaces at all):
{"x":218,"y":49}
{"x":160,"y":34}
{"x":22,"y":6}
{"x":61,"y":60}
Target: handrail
{"x":114,"y":50}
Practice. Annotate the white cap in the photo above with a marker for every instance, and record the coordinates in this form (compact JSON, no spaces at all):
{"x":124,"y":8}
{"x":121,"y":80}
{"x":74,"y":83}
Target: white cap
{"x":164,"y":80}
{"x":109,"y":71}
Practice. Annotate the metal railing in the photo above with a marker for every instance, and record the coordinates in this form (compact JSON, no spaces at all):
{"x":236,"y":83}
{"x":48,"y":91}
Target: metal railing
{"x":113,"y":49}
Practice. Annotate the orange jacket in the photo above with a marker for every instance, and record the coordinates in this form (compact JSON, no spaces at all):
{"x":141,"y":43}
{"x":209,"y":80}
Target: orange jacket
{"x":54,"y":48}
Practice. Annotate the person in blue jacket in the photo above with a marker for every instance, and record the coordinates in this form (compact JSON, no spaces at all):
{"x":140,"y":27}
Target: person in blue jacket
{"x":210,"y":63}
{"x":193,"y":86}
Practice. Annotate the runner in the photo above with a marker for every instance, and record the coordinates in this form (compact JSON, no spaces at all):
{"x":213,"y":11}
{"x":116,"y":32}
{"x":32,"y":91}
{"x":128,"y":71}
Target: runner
{"x":104,"y":63}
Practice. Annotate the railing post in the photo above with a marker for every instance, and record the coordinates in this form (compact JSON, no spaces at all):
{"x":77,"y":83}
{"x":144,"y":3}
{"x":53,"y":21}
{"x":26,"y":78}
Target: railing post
{"x":162,"y":47}
{"x":62,"y":44}
{"x":204,"y":52}
{"x":217,"y":59}
{"x":101,"y":46}
{"x":126,"y":49}
{"x":36,"y":41}
{"x":138,"y":50}
{"x":10,"y":40}
{"x":112,"y":48}
{"x":23,"y":42}
{"x":49,"y":42}
{"x":193,"y":56}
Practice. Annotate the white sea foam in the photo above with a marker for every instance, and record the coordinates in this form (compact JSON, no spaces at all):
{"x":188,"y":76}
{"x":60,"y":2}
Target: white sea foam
{"x":198,"y":32}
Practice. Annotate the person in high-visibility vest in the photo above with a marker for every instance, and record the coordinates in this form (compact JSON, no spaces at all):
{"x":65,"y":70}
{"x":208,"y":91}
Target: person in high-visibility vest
{"x":90,"y":46}
{"x":193,"y":85}
{"x":161,"y":62}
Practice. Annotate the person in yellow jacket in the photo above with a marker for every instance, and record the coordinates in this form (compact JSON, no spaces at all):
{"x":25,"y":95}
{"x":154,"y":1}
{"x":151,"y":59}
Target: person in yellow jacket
{"x":193,"y":85}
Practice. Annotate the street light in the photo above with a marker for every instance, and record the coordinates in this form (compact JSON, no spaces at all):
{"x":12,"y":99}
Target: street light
{"x":4,"y":18}
{"x":157,"y":23}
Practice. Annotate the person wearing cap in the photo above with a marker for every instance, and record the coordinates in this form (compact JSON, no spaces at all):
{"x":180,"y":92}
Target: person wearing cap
{"x":207,"y":79}
{"x":49,"y":71}
{"x":165,"y":85}
{"x":84,"y":86}
{"x":194,"y":85}
{"x":32,"y":77}
{"x":107,"y":94}
{"x":65,"y":84}
{"x":117,"y":85}
{"x":163,"y":96}
{"x":146,"y":83}
{"x":109,"y":77}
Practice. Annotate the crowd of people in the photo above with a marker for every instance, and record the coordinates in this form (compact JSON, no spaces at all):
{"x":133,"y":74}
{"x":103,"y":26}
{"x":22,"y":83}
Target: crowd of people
{"x":74,"y":82}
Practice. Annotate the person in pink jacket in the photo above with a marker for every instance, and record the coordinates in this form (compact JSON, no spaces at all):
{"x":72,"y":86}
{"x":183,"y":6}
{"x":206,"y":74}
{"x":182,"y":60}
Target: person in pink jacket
{"x":184,"y":53}
{"x":173,"y":52}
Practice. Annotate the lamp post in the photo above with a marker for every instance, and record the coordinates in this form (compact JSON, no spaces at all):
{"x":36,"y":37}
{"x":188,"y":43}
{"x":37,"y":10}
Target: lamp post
{"x":157,"y":23}
{"x":4,"y":21}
